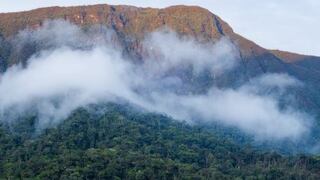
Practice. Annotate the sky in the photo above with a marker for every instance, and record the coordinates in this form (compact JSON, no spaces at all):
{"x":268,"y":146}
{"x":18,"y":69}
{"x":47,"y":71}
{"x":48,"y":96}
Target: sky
{"x":290,"y":25}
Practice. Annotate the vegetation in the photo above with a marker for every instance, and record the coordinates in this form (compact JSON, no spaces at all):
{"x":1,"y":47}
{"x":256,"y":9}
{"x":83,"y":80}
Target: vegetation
{"x":126,"y":144}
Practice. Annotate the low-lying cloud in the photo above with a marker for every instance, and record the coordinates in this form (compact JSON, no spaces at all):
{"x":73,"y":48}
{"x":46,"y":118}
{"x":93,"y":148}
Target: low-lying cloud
{"x":74,"y":72}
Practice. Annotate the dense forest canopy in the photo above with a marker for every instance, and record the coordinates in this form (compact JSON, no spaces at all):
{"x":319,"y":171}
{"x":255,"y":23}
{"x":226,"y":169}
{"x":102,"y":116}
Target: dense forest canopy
{"x":122,"y":143}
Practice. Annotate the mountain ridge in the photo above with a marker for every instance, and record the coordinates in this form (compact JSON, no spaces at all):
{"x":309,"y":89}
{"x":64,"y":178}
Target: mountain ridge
{"x":188,"y":20}
{"x":12,"y":22}
{"x":131,"y":24}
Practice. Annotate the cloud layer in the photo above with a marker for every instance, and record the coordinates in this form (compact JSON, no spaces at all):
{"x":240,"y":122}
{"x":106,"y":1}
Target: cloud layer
{"x":73,"y":72}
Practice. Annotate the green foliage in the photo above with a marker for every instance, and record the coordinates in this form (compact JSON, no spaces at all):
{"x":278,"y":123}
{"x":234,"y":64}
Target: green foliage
{"x":124,"y":144}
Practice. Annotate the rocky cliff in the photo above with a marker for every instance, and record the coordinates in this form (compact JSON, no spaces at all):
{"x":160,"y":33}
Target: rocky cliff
{"x":133,"y":22}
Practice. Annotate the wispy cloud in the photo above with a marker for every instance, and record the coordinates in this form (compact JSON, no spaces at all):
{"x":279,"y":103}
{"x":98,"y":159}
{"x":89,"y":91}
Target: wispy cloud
{"x":71,"y":72}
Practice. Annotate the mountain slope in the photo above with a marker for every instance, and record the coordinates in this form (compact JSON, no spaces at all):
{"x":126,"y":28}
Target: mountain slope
{"x":133,"y":22}
{"x":119,"y":142}
{"x":130,"y":26}
{"x":127,"y":144}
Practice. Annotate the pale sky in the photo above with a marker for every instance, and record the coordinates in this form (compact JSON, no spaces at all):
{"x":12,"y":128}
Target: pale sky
{"x":291,"y":25}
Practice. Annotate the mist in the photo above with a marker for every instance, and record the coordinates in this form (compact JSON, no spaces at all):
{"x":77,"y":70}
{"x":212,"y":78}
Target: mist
{"x":76,"y":68}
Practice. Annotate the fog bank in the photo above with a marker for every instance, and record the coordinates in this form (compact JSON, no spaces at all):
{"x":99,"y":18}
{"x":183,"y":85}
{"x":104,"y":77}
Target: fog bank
{"x":73,"y":70}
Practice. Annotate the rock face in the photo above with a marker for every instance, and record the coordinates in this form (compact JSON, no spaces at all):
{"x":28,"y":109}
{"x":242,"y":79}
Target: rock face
{"x":134,"y":23}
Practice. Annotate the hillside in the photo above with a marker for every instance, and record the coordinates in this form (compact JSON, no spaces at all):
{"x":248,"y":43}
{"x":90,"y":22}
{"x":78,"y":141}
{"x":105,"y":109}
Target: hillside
{"x":131,"y":21}
{"x":131,"y":24}
{"x":122,"y":92}
{"x":125,"y":144}
{"x":136,"y":22}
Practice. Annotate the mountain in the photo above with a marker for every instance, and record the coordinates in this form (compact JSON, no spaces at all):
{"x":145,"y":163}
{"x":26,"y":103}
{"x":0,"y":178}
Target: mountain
{"x":129,"y":21}
{"x":131,"y":24}
{"x":135,"y":22}
{"x":120,"y":142}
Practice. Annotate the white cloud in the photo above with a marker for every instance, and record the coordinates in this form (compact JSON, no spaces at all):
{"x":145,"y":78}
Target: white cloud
{"x":255,"y":114}
{"x":61,"y":79}
{"x":168,"y":50}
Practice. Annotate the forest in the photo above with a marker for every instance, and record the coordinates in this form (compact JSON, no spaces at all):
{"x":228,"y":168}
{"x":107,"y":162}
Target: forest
{"x":121,"y":142}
